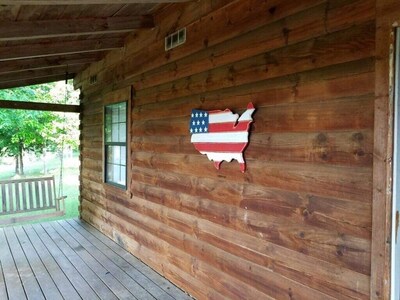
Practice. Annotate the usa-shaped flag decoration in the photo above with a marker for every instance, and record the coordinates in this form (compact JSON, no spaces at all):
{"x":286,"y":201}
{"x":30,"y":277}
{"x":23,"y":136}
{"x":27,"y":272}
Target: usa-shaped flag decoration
{"x":221,"y":134}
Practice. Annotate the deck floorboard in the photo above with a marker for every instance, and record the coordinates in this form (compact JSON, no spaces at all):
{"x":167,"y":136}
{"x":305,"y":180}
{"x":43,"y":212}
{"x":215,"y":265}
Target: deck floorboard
{"x":70,"y":259}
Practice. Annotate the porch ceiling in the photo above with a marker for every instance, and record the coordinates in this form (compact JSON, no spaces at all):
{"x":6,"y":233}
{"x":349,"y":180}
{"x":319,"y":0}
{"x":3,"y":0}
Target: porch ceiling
{"x":43,"y":40}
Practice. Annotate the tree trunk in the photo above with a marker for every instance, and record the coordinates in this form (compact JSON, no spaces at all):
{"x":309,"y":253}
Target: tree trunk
{"x":16,"y":165}
{"x":21,"y":162}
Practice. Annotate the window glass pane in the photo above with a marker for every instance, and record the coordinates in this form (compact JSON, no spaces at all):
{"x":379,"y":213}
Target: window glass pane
{"x":115,"y":133}
{"x":109,"y":154}
{"x":116,"y":173}
{"x":115,"y":114}
{"x":122,"y":132}
{"x":123,"y":175}
{"x":108,"y":115}
{"x":122,"y":113}
{"x":116,"y":155}
{"x":123,"y":156}
{"x":109,"y":174}
{"x":107,"y":132}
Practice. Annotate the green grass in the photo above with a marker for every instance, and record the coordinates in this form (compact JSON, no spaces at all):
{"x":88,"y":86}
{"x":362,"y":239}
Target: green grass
{"x":70,"y":182}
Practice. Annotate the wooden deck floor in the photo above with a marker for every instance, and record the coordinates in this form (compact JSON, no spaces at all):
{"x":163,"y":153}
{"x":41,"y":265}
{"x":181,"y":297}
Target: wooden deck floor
{"x":72,"y":260}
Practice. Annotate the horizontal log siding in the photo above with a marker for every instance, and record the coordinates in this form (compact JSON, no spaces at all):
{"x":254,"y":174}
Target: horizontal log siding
{"x":297,"y":223}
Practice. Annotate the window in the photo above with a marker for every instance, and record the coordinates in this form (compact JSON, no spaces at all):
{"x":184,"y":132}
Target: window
{"x":115,"y":132}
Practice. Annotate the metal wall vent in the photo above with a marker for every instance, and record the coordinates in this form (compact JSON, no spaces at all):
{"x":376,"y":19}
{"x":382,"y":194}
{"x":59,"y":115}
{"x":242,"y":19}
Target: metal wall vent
{"x":175,"y":39}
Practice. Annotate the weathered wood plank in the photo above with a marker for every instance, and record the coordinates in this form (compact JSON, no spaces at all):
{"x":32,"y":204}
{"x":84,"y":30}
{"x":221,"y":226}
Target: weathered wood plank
{"x":81,"y":286}
{"x":42,"y":275}
{"x":12,"y":279}
{"x":3,"y":290}
{"x":323,"y":213}
{"x":310,"y":117}
{"x":387,"y":13}
{"x":113,"y":268}
{"x":292,"y":29}
{"x":194,"y":286}
{"x":84,"y":265}
{"x":285,"y":232}
{"x":60,"y":279}
{"x":237,"y":241}
{"x":111,"y":281}
{"x":271,"y":285}
{"x":237,"y":18}
{"x":159,"y":281}
{"x":28,"y":278}
{"x":305,"y":199}
{"x":316,"y":85}
{"x":339,"y":47}
{"x":327,"y":147}
{"x":142,"y":280}
{"x":324,"y":180}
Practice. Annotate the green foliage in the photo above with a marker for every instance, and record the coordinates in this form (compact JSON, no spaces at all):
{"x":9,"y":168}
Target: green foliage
{"x":24,"y":131}
{"x":33,"y":131}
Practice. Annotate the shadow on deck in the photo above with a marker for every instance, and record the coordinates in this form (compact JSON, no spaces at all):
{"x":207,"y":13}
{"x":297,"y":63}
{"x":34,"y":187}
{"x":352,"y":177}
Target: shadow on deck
{"x":70,"y":259}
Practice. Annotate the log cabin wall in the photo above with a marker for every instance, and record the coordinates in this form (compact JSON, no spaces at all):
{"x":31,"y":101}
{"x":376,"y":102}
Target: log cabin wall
{"x":297,"y":223}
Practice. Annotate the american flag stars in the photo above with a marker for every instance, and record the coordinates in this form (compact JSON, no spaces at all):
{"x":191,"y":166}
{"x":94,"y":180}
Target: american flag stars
{"x":199,"y":121}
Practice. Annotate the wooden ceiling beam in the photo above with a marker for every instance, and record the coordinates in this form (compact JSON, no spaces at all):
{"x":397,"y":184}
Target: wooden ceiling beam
{"x":27,"y":30}
{"x":11,"y":66}
{"x":32,"y":74}
{"x":37,"y":77}
{"x":59,"y":48}
{"x":10,"y":104}
{"x":26,"y":82}
{"x":83,"y":2}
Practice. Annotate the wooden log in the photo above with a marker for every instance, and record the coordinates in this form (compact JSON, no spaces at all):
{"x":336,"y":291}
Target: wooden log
{"x":193,"y":285}
{"x":210,"y":232}
{"x":39,"y":80}
{"x":233,"y":20}
{"x":272,"y":284}
{"x":301,"y":208}
{"x":59,"y":48}
{"x":282,"y":231}
{"x":352,"y":183}
{"x":9,"y":104}
{"x":340,"y":47}
{"x":355,"y":114}
{"x":288,"y":31}
{"x":45,"y":62}
{"x":305,"y":87}
{"x":332,"y":147}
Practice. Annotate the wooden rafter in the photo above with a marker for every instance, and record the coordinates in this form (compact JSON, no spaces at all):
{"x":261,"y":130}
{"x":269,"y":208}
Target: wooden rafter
{"x":71,"y":27}
{"x":11,"y":66}
{"x":10,"y":104}
{"x":23,"y":75}
{"x":82,"y":2}
{"x":31,"y":81}
{"x":58,"y":48}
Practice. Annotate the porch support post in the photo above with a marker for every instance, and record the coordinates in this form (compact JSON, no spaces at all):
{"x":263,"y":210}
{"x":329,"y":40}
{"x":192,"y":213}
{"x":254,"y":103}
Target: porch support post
{"x":386,"y":13}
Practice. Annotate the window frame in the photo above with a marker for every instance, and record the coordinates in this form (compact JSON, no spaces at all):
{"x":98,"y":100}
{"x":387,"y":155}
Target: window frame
{"x":107,"y":144}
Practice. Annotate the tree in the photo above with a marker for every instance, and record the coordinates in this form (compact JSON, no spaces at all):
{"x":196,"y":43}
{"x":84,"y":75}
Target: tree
{"x":24,"y":131}
{"x":33,"y":131}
